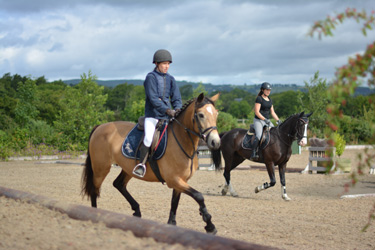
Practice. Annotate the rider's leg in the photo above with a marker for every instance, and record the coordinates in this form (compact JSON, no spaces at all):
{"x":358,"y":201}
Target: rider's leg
{"x":150,"y":124}
{"x":258,"y":127}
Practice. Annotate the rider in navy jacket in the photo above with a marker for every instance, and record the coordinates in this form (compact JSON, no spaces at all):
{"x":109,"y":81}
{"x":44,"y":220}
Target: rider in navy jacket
{"x":163,"y":100}
{"x":161,"y":91}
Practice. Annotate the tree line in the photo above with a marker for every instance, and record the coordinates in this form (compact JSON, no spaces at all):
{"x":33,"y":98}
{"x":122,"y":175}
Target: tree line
{"x":53,"y":116}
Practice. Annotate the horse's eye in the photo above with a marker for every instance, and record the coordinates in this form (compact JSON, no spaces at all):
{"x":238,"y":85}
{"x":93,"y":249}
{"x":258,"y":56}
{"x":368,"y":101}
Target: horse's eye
{"x":201,"y":116}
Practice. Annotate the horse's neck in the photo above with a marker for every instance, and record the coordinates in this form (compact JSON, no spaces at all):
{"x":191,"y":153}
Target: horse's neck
{"x":184,"y":136}
{"x":285,"y":130}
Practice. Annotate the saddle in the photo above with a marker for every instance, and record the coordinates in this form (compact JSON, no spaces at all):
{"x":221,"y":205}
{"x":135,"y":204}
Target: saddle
{"x":158,"y":131}
{"x":250,"y":135}
{"x":135,"y":137}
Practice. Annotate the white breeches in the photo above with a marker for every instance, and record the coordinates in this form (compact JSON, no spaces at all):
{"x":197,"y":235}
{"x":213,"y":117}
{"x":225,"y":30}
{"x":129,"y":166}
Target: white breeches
{"x":150,"y":124}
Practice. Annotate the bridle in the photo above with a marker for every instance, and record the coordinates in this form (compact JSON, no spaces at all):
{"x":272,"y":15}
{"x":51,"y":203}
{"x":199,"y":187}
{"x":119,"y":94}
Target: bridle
{"x":297,"y":136}
{"x":203,"y":133}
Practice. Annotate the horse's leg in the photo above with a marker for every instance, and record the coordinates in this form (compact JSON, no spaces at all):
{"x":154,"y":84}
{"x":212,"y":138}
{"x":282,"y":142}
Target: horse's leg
{"x":181,"y":186}
{"x":198,"y":197}
{"x":235,"y":161}
{"x":227,"y":169}
{"x":271,"y":174}
{"x":92,"y":180}
{"x":120,"y":184}
{"x":232,"y":160}
{"x":174,"y":204}
{"x":282,"y":168}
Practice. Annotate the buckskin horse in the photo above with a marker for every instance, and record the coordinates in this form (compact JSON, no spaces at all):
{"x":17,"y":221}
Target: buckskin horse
{"x":277,"y":152}
{"x":196,"y":119}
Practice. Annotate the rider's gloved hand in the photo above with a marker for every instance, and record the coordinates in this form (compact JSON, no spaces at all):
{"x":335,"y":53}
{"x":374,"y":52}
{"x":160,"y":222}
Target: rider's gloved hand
{"x":278,"y":122}
{"x":267,"y":121}
{"x":170,"y":112}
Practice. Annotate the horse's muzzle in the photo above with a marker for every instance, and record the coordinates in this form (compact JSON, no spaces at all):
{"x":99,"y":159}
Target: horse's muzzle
{"x":213,"y":140}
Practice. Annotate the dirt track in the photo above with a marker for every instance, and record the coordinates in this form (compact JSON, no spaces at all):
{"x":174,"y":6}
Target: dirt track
{"x":316,"y":218}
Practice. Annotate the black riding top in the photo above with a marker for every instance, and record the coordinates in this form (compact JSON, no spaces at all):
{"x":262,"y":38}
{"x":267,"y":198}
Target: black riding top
{"x":265,"y":107}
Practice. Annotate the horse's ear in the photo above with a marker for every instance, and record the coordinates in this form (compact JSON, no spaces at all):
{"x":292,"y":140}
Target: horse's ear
{"x":308,"y":115}
{"x":200,"y":97}
{"x":215,"y":97}
{"x":302,"y":113}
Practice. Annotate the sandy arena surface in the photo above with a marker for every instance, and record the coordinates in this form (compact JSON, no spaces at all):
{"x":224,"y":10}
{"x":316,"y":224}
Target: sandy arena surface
{"x":316,"y":218}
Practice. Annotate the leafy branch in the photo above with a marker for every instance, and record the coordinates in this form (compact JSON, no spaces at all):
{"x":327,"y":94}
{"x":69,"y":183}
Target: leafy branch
{"x":347,"y":78}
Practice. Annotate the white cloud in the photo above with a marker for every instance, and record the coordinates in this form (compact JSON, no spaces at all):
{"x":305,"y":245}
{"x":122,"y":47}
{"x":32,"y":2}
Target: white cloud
{"x":211,"y":41}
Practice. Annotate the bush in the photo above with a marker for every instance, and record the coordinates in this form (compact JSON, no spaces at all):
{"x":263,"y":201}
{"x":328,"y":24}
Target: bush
{"x":340,"y":144}
{"x":225,"y":122}
{"x":41,"y":132}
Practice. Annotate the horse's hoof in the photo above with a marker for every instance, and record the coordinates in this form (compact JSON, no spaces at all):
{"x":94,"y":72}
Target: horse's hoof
{"x":137,"y":214}
{"x":256,"y":190}
{"x":234,"y":194}
{"x":173,"y":223}
{"x":212,"y":231}
{"x":223,"y":192}
{"x":286,"y":198}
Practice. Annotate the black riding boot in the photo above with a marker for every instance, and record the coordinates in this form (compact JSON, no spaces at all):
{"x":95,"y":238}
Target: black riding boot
{"x":254,"y":147}
{"x":140,"y":169}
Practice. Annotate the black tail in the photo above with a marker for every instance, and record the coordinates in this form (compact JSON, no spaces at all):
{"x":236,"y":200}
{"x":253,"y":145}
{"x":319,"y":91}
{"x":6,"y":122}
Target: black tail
{"x":87,"y":181}
{"x":216,"y":155}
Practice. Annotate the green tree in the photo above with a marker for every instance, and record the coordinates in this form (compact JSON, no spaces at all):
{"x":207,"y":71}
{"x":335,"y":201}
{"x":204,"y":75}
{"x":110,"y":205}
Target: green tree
{"x":135,"y":105}
{"x":82,"y":109}
{"x":240,"y":109}
{"x":186,"y":92}
{"x":225,"y":122}
{"x":48,"y":100}
{"x":135,"y":110}
{"x":286,"y":103}
{"x":118,"y":98}
{"x":200,"y":89}
{"x":26,"y":110}
{"x":316,"y":101}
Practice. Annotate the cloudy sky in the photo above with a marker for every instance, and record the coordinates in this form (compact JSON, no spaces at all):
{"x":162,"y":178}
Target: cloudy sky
{"x":212,"y":41}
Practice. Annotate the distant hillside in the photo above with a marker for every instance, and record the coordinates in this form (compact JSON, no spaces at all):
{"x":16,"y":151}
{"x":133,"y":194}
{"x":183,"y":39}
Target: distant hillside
{"x":210,"y":88}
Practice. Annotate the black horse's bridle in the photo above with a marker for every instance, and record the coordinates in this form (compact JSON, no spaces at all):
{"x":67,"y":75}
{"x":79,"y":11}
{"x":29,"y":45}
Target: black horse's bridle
{"x":297,"y":136}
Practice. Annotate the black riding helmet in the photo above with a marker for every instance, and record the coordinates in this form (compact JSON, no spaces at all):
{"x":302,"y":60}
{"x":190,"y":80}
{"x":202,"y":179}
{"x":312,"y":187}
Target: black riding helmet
{"x":266,"y":85}
{"x":162,"y":55}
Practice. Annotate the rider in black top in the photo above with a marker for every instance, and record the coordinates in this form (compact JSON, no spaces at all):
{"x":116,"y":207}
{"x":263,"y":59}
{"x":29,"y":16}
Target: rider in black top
{"x":263,"y":109}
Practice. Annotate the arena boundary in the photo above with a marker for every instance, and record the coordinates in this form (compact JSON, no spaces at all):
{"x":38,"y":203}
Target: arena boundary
{"x":140,"y":227}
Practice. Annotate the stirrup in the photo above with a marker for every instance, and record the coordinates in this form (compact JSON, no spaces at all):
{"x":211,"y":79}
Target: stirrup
{"x":139,"y":170}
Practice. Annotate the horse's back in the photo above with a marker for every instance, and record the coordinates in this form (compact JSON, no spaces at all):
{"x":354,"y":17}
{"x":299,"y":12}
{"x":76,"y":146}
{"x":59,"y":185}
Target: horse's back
{"x":109,"y":135}
{"x":233,"y":138}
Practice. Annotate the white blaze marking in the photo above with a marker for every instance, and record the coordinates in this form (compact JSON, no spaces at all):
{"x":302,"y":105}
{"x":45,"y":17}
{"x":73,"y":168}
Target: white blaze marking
{"x":209,"y":109}
{"x":304,"y":140}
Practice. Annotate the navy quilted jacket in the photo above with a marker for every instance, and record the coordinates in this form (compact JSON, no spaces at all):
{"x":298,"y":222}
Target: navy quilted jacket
{"x":162,"y":93}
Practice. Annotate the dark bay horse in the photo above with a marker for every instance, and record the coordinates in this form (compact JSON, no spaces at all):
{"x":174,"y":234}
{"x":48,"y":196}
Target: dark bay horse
{"x":277,"y":152}
{"x":197,"y":119}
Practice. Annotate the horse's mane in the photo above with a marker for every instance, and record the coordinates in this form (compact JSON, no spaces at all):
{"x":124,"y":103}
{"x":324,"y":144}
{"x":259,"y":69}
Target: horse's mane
{"x":290,"y":117}
{"x":187,"y":103}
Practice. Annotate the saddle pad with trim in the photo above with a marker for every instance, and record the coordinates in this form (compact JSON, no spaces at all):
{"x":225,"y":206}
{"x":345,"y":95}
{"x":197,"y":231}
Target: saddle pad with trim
{"x":248,"y":138}
{"x":131,"y":142}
